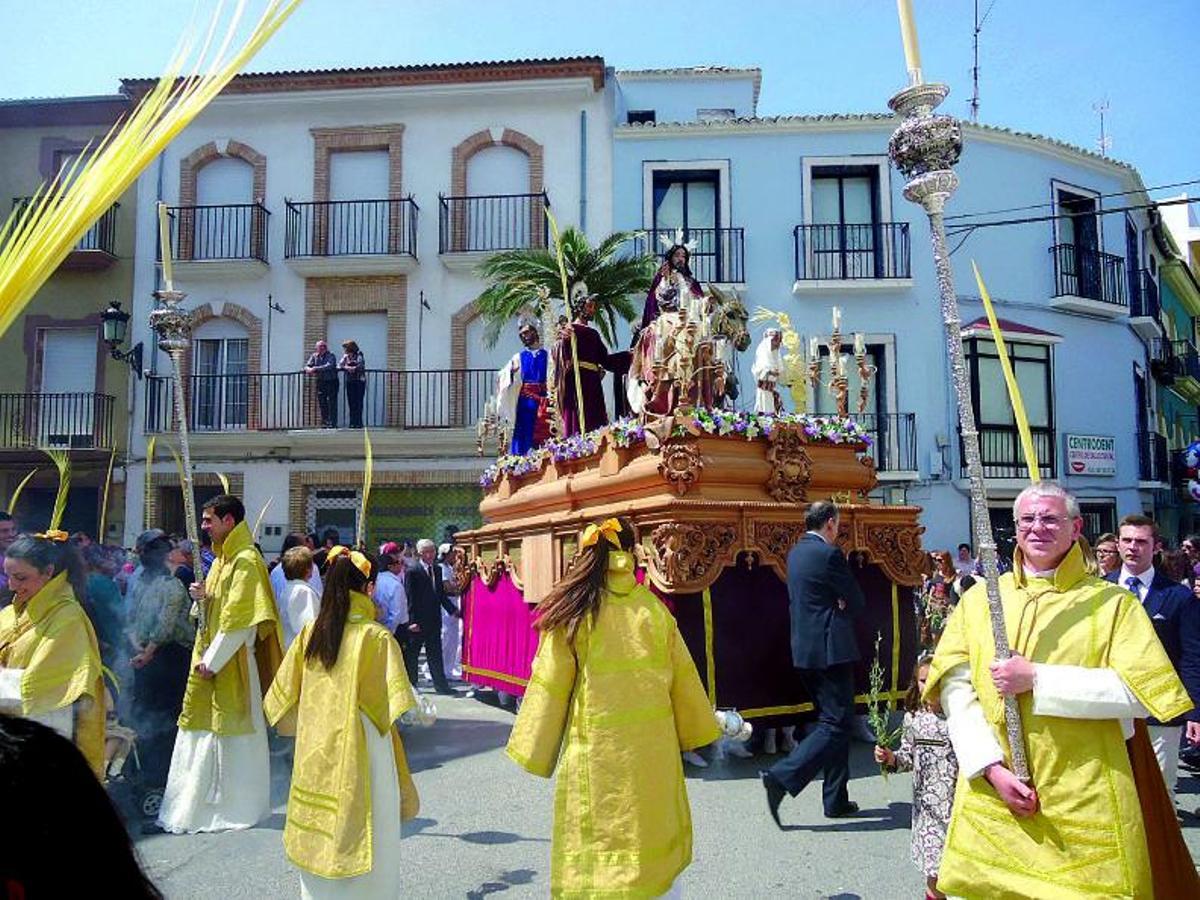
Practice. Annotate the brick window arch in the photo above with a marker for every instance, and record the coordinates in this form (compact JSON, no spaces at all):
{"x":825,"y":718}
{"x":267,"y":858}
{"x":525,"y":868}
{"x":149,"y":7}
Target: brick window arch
{"x":189,"y":169}
{"x":483,"y":140}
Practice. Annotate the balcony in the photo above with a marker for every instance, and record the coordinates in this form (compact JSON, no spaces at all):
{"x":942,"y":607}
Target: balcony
{"x":226,"y":241}
{"x":856,"y":257}
{"x":1145,"y":311}
{"x":351,"y":237}
{"x":1153,"y":460}
{"x":717,"y":258}
{"x":1088,"y":281}
{"x":282,"y":408}
{"x":893,"y":443}
{"x":31,"y":422}
{"x":1002,"y":457}
{"x":97,"y":249}
{"x":1176,"y":364}
{"x":471,"y":228}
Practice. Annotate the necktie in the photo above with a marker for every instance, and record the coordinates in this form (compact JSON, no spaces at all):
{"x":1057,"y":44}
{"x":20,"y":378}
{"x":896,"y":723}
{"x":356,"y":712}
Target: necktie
{"x":1135,"y":586}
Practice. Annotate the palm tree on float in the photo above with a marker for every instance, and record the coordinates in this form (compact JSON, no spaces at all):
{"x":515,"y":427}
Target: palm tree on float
{"x":517,"y":279}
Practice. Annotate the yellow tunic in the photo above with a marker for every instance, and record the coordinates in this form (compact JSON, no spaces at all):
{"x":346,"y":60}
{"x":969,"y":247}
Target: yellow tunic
{"x":328,"y":829}
{"x":621,"y":705}
{"x":51,"y":638}
{"x":1088,"y":838}
{"x":237,"y":596}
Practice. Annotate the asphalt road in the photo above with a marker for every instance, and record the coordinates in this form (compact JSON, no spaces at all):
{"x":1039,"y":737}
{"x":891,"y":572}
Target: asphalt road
{"x":484,"y":828}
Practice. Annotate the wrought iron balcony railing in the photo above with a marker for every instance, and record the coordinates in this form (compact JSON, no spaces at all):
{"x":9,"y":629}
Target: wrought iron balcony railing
{"x":101,"y":237}
{"x":874,"y":251}
{"x":894,"y":440}
{"x":719,"y":254}
{"x":1153,"y":460}
{"x":492,"y":222}
{"x":73,"y":421}
{"x":1081,"y":271}
{"x":288,"y":401}
{"x":1143,"y":297}
{"x":231,"y":231}
{"x":351,"y":228}
{"x":1002,"y":457}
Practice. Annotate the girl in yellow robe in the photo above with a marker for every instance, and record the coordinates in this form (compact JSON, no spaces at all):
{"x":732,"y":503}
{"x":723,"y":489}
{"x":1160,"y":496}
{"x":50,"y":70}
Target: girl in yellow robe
{"x":49,"y":658}
{"x":341,"y":687}
{"x":613,"y":699}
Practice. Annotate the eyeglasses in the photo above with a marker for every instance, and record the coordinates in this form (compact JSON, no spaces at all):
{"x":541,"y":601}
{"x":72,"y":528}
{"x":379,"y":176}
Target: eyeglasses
{"x":1050,"y":523}
{"x":1100,"y":552}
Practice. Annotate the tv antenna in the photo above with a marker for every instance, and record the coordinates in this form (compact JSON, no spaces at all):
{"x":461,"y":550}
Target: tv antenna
{"x":975,"y":68}
{"x":1105,"y":141}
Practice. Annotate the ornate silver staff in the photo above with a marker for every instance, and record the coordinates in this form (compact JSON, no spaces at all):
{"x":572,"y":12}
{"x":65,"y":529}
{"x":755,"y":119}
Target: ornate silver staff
{"x":925,"y":148}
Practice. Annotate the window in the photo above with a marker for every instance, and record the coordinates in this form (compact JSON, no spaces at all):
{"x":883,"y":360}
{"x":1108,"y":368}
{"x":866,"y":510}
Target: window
{"x":999,"y":441}
{"x":65,"y":406}
{"x":1078,"y":265}
{"x":689,"y":200}
{"x":221,"y":388}
{"x":1099,"y":517}
{"x":640,"y":117}
{"x":845,"y":213}
{"x":715,"y":114}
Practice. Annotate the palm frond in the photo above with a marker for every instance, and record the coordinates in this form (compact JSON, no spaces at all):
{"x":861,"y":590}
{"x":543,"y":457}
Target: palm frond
{"x":37,"y":236}
{"x":368,"y":477}
{"x":221,"y":477}
{"x":261,"y":513}
{"x":148,"y":484}
{"x":112,"y":458}
{"x":62,"y":462}
{"x":16,"y":495}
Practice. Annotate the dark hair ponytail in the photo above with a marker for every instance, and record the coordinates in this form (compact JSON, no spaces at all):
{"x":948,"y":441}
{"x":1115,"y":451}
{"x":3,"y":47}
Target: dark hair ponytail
{"x":42,"y":553}
{"x":326,"y":639}
{"x":577,"y":594}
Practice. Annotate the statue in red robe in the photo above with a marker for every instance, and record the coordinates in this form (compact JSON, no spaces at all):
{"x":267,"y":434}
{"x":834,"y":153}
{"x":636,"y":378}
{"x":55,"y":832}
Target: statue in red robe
{"x":593,"y":358}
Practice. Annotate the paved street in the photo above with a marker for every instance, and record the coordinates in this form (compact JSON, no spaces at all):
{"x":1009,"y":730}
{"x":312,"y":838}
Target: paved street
{"x":484,"y":829}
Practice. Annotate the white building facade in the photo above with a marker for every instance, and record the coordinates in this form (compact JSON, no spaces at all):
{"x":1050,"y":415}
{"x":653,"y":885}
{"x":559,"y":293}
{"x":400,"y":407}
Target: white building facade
{"x":352,"y":205}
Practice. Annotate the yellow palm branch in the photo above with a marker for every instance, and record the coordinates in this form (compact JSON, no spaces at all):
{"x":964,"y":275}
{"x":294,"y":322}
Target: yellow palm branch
{"x":148,"y":486}
{"x":224,"y":482}
{"x":62,"y":462}
{"x":16,"y":495}
{"x":261,"y":514}
{"x":37,"y":236}
{"x":368,"y":477}
{"x":112,"y":458}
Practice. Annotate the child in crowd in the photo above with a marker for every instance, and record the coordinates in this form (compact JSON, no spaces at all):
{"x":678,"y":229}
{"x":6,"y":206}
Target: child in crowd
{"x":925,"y":751}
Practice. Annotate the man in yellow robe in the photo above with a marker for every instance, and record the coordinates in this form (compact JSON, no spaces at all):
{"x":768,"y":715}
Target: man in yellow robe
{"x":1086,"y":663}
{"x":220,"y":774}
{"x":49,"y":659}
{"x":620,"y":704}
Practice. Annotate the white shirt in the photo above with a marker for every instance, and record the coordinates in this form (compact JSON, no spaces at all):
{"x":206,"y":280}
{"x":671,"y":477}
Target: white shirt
{"x":278,"y":580}
{"x":1146,"y":578}
{"x":298,"y":606}
{"x":392,"y":599}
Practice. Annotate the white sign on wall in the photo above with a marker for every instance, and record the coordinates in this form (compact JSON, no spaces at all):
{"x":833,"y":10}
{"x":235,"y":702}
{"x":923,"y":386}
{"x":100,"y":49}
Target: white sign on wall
{"x":1091,"y":454}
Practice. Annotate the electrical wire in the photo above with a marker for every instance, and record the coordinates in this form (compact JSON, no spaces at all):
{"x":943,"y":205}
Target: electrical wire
{"x":1028,"y":220}
{"x":994,"y":212}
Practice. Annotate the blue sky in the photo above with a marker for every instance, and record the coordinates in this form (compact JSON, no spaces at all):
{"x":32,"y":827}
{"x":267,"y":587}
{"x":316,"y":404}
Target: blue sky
{"x":1044,"y":63}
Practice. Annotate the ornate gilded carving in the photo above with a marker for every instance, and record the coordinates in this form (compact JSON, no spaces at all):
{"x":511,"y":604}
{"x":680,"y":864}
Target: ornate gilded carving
{"x":690,"y":556}
{"x":897,"y":550}
{"x":791,"y":467}
{"x":776,"y":540}
{"x":680,"y":465}
{"x":868,"y":462}
{"x":488,"y":572}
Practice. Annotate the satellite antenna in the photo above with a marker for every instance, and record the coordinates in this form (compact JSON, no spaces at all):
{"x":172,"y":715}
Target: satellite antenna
{"x":975,"y":68}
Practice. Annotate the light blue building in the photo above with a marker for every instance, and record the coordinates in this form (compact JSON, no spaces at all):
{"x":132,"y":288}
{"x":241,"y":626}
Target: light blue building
{"x":803,"y":213}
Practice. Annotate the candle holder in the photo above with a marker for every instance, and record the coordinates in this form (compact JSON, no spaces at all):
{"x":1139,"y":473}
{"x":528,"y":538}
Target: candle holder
{"x":866,"y":371}
{"x":925,"y":147}
{"x":839,"y":379}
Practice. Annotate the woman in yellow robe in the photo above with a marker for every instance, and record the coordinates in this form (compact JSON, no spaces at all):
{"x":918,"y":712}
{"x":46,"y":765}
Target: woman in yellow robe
{"x":341,"y":687}
{"x":49,"y":658}
{"x":613,"y":699}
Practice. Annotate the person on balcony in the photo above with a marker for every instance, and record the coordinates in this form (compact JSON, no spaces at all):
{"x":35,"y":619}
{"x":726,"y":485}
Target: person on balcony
{"x":324,"y":366}
{"x":593,"y":358}
{"x":354,"y":364}
{"x":523,"y":401}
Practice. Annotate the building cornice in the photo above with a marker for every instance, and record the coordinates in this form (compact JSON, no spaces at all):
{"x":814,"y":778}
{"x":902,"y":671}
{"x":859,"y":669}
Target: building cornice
{"x":692,"y":73}
{"x":589,"y":67}
{"x":98,"y":110}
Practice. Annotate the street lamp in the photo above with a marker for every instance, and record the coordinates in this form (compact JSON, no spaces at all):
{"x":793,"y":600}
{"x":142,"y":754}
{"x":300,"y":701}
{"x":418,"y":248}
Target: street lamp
{"x":115,"y":323}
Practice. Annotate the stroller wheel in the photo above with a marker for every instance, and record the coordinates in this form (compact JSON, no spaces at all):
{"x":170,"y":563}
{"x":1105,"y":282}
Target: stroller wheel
{"x":151,"y":803}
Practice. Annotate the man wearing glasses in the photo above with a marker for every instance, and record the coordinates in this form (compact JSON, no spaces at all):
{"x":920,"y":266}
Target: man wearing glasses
{"x":1176,"y":617}
{"x":1086,"y":663}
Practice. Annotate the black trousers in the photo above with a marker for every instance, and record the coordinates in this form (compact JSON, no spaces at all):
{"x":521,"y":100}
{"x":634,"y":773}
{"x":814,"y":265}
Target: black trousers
{"x":827,"y":747}
{"x":354,"y":399}
{"x":327,"y":392}
{"x":158,"y":697}
{"x":431,"y":639}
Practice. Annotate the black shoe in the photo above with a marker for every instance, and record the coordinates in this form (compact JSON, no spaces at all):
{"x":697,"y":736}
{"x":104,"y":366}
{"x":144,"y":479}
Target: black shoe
{"x":775,"y":795}
{"x":447,"y":691}
{"x":843,"y":812}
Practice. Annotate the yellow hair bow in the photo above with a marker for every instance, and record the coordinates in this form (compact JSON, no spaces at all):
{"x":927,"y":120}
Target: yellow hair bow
{"x":357,"y":560}
{"x":53,"y":534}
{"x":610,"y":528}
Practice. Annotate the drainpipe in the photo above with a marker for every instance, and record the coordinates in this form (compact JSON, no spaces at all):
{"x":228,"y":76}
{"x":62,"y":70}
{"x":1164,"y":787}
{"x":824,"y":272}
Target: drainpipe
{"x":583,"y":170}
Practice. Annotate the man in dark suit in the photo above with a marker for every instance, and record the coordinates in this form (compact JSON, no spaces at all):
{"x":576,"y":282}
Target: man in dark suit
{"x":824,"y":599}
{"x":426,"y":600}
{"x":1176,"y":617}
